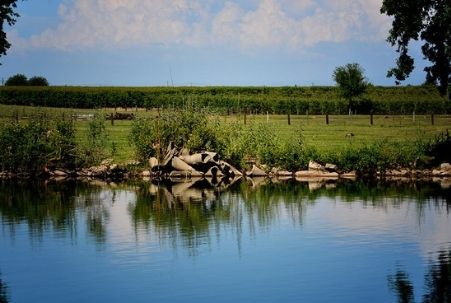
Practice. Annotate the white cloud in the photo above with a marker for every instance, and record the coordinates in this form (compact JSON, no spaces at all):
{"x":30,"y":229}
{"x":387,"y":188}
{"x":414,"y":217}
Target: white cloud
{"x":293,"y":24}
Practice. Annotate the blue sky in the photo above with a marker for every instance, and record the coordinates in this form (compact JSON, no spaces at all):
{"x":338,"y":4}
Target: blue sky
{"x":200,"y":42}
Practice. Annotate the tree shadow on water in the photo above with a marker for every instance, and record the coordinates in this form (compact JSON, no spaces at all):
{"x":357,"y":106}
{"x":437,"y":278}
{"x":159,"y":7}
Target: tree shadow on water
{"x":437,"y":282}
{"x":4,"y":297}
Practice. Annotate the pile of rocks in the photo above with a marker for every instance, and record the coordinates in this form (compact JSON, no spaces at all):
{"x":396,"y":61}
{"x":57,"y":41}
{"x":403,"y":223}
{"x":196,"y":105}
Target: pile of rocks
{"x":105,"y":170}
{"x":315,"y":170}
{"x":444,"y":170}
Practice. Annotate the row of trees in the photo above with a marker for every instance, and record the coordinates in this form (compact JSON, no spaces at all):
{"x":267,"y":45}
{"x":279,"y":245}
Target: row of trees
{"x":300,"y":101}
{"x":22,"y":80}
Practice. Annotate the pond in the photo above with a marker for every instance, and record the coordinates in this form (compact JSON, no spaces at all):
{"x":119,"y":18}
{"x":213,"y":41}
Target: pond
{"x":249,"y":241}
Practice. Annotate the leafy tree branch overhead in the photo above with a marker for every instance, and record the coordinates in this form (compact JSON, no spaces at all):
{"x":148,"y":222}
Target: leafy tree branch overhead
{"x":430,"y":22}
{"x":8,"y":15}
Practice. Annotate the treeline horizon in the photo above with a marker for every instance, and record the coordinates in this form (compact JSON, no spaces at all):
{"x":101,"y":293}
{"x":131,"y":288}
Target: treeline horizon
{"x":232,"y":99}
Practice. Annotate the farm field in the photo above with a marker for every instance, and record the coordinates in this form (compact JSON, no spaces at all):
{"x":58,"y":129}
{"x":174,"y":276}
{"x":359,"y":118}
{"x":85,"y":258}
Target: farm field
{"x":276,"y":100}
{"x":342,"y":131}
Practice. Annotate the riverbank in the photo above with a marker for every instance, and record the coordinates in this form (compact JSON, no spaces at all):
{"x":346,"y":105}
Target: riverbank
{"x":110,"y":172}
{"x":47,"y":146}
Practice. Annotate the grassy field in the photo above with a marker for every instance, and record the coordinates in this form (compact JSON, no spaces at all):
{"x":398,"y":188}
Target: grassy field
{"x":325,"y":138}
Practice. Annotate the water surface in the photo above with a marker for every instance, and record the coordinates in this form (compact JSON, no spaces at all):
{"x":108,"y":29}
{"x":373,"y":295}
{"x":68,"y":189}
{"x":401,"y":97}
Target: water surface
{"x":250,"y":241}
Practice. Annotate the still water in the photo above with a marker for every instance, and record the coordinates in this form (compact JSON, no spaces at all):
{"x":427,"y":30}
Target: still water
{"x":252,"y":241}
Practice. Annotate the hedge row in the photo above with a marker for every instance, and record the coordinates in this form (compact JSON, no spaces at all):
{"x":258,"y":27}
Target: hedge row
{"x":313,"y":100}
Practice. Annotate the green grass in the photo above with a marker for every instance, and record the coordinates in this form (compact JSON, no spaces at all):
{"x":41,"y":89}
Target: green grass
{"x":326,"y":138}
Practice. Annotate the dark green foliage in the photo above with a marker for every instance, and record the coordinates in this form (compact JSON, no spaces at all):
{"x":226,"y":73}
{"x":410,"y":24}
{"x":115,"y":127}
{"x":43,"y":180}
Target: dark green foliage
{"x":32,"y":146}
{"x":292,"y":154}
{"x":188,"y":128}
{"x":63,"y":142}
{"x":235,"y":143}
{"x":278,"y":100}
{"x":21,"y":80}
{"x":351,"y":81}
{"x":38,"y":81}
{"x":378,"y":156}
{"x":143,"y":136}
{"x":94,"y":152}
{"x":17,"y":80}
{"x":430,"y":21}
{"x":8,"y":14}
{"x":439,"y":149}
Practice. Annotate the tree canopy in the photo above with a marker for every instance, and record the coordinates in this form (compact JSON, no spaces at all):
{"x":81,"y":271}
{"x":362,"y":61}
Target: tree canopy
{"x":38,"y":81}
{"x":21,"y":80}
{"x":430,"y":21}
{"x":8,"y":14}
{"x":351,"y":81}
{"x":17,"y":80}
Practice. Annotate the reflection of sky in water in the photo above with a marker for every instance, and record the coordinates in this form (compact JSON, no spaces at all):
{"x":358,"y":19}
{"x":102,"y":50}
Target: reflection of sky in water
{"x":246,"y":246}
{"x":345,"y":221}
{"x":404,"y":222}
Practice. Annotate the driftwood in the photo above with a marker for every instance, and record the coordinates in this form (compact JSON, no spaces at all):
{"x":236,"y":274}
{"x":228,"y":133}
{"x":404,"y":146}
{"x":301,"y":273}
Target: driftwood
{"x":195,"y":158}
{"x":181,"y":164}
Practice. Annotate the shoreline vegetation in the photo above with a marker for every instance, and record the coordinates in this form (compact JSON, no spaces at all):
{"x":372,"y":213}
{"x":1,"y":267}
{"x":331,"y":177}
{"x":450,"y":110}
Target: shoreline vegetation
{"x":248,"y":139}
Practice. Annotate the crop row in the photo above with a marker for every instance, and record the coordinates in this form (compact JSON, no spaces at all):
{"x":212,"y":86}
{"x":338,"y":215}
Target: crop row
{"x":301,"y":100}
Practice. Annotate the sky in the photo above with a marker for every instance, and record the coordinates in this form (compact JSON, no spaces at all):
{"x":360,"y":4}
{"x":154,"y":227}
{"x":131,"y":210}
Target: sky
{"x":200,"y":42}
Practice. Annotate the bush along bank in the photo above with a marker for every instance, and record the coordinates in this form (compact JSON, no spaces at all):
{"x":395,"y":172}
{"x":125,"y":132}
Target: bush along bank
{"x":44,"y":147}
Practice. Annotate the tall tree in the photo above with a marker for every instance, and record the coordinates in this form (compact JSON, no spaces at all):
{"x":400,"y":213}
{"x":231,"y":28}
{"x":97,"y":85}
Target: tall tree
{"x":8,"y":14}
{"x":430,"y":21}
{"x":351,"y":81}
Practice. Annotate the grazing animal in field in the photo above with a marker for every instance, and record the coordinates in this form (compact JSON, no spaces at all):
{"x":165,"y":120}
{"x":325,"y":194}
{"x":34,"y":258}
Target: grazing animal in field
{"x":349,"y":135}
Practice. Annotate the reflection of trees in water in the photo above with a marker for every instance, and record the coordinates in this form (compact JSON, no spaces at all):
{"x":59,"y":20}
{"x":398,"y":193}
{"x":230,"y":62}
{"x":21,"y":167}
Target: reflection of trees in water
{"x":194,"y":213}
{"x":401,"y":284}
{"x":269,"y":201}
{"x":173,"y":216}
{"x":4,"y":298}
{"x":39,"y":206}
{"x":437,"y":282}
{"x":52,"y":207}
{"x":97,"y":213}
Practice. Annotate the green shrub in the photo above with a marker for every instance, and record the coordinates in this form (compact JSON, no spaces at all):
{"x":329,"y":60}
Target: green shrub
{"x":439,"y":149}
{"x":31,"y":146}
{"x":64,"y":148}
{"x":188,"y":128}
{"x":293,"y":154}
{"x":143,"y":136}
{"x":94,"y":151}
